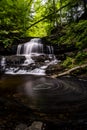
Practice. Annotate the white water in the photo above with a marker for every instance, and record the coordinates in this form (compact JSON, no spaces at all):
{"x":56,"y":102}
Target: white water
{"x":36,"y":71}
{"x":30,"y":47}
{"x":32,"y":50}
{"x":3,"y":62}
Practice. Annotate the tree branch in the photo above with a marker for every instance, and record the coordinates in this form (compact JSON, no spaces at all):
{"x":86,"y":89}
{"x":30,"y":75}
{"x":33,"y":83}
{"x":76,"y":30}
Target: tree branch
{"x":49,"y":15}
{"x":70,"y":71}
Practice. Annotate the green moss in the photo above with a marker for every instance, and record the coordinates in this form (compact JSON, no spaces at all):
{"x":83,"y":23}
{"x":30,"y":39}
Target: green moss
{"x":77,"y":59}
{"x":81,"y":57}
{"x":68,"y":63}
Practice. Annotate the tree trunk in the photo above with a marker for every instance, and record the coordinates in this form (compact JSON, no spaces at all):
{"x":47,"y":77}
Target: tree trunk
{"x":55,"y":21}
{"x":60,"y":12}
{"x":70,"y":71}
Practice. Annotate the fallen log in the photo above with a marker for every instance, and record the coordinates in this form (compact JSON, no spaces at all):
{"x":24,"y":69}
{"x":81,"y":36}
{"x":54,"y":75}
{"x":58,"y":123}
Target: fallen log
{"x":70,"y":71}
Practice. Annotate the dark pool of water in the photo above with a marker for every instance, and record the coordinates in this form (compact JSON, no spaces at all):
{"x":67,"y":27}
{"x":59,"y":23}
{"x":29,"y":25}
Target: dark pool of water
{"x":60,"y":103}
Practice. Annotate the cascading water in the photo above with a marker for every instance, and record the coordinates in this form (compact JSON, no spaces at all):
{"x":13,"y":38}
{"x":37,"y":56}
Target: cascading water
{"x":29,"y":49}
{"x":37,"y":58}
{"x":33,"y":46}
{"x":2,"y":63}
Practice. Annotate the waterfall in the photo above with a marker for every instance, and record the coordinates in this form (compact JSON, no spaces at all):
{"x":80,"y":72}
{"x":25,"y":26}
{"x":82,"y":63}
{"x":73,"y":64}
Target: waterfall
{"x":3,"y":62}
{"x":34,"y":46}
{"x":38,"y":56}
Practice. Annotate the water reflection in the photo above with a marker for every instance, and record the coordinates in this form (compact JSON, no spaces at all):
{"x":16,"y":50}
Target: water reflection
{"x":28,"y":88}
{"x":56,"y":93}
{"x":63,"y":99}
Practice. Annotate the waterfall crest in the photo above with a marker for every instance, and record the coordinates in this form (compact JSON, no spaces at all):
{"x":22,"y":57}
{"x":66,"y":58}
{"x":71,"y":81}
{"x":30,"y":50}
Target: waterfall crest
{"x":34,"y":46}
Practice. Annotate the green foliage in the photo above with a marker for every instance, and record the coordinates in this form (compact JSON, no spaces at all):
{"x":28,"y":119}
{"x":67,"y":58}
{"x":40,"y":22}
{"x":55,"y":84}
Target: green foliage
{"x":41,"y":28}
{"x":14,"y":19}
{"x":7,"y":42}
{"x":17,"y":16}
{"x":78,"y":58}
{"x":74,"y":33}
{"x":68,"y":63}
{"x":38,"y":31}
{"x":81,"y":57}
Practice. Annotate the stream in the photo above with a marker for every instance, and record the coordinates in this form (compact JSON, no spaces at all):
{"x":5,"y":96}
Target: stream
{"x":58,"y":103}
{"x":31,"y":100}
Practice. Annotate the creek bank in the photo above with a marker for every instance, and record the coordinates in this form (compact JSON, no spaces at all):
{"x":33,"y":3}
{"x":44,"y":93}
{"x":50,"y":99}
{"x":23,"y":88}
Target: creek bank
{"x":79,"y":71}
{"x":54,"y":69}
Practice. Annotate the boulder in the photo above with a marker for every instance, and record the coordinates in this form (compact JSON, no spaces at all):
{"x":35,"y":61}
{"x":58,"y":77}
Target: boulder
{"x":21,"y":127}
{"x":15,"y":60}
{"x":40,"y":58}
{"x":53,"y":69}
{"x":36,"y":125}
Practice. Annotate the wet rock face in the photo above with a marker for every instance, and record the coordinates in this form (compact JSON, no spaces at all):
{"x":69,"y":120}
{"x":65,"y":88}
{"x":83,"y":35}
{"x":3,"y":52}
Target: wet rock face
{"x":40,"y":58}
{"x":10,"y":61}
{"x":10,"y":50}
{"x":15,"y":60}
{"x":33,"y":63}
